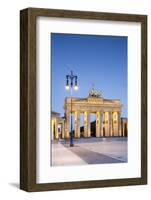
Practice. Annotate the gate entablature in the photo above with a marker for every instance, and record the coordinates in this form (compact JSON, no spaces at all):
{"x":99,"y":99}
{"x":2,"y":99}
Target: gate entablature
{"x":92,"y":104}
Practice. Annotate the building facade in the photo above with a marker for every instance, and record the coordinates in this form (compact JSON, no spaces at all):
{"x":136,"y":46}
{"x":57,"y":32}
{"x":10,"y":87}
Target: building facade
{"x":108,"y":117}
{"x":57,"y":126}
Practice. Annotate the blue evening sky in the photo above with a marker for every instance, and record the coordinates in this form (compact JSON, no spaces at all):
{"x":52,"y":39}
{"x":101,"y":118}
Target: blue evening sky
{"x":95,"y":59}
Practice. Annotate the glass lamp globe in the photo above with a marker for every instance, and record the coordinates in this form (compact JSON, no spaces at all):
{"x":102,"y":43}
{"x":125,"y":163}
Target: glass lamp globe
{"x":76,"y":87}
{"x":67,"y":87}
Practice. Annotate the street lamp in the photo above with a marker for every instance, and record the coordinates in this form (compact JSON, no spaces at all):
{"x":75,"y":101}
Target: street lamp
{"x":70,"y":84}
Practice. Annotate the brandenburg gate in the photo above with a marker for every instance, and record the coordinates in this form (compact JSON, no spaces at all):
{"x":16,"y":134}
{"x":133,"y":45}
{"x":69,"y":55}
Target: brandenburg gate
{"x":107,"y":111}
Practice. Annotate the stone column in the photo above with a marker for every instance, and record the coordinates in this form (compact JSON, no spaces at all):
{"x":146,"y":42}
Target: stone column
{"x":62,"y":129}
{"x":119,"y":124}
{"x":107,"y":125}
{"x":98,"y":122}
{"x":86,"y":124}
{"x":56,"y":129}
{"x":52,"y":129}
{"x":110,"y":124}
{"x":67,"y":125}
{"x":115,"y":124}
{"x":101,"y":124}
{"x":126,"y":129}
{"x":77,"y":124}
{"x":123,"y":128}
{"x":122,"y":133}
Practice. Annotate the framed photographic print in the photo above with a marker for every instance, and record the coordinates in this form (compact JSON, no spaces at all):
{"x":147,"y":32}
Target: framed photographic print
{"x":83,"y":99}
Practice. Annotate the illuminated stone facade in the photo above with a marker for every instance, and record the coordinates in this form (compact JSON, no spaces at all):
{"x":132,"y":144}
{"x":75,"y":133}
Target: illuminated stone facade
{"x":57,"y":126}
{"x":108,"y":118}
{"x":107,"y":111}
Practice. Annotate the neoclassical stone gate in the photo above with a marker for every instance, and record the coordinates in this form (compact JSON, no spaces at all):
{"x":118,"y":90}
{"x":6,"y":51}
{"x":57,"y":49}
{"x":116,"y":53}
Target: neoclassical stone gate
{"x":107,"y":111}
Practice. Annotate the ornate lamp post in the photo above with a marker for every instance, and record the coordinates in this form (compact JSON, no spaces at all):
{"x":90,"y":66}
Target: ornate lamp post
{"x":71,"y":83}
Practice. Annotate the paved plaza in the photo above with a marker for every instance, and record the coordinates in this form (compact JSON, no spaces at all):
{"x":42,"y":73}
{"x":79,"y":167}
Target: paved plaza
{"x":89,"y":151}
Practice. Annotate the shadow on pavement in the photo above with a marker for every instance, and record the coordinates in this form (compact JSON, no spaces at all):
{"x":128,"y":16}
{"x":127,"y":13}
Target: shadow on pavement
{"x":91,"y":157}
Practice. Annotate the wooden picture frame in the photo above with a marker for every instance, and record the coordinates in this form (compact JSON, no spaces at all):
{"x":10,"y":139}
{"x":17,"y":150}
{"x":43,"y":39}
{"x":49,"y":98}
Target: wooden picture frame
{"x":28,"y":98}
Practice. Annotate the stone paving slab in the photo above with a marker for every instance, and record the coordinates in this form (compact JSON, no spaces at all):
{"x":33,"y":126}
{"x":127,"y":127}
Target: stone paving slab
{"x":89,"y":151}
{"x":62,"y":155}
{"x":91,"y":157}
